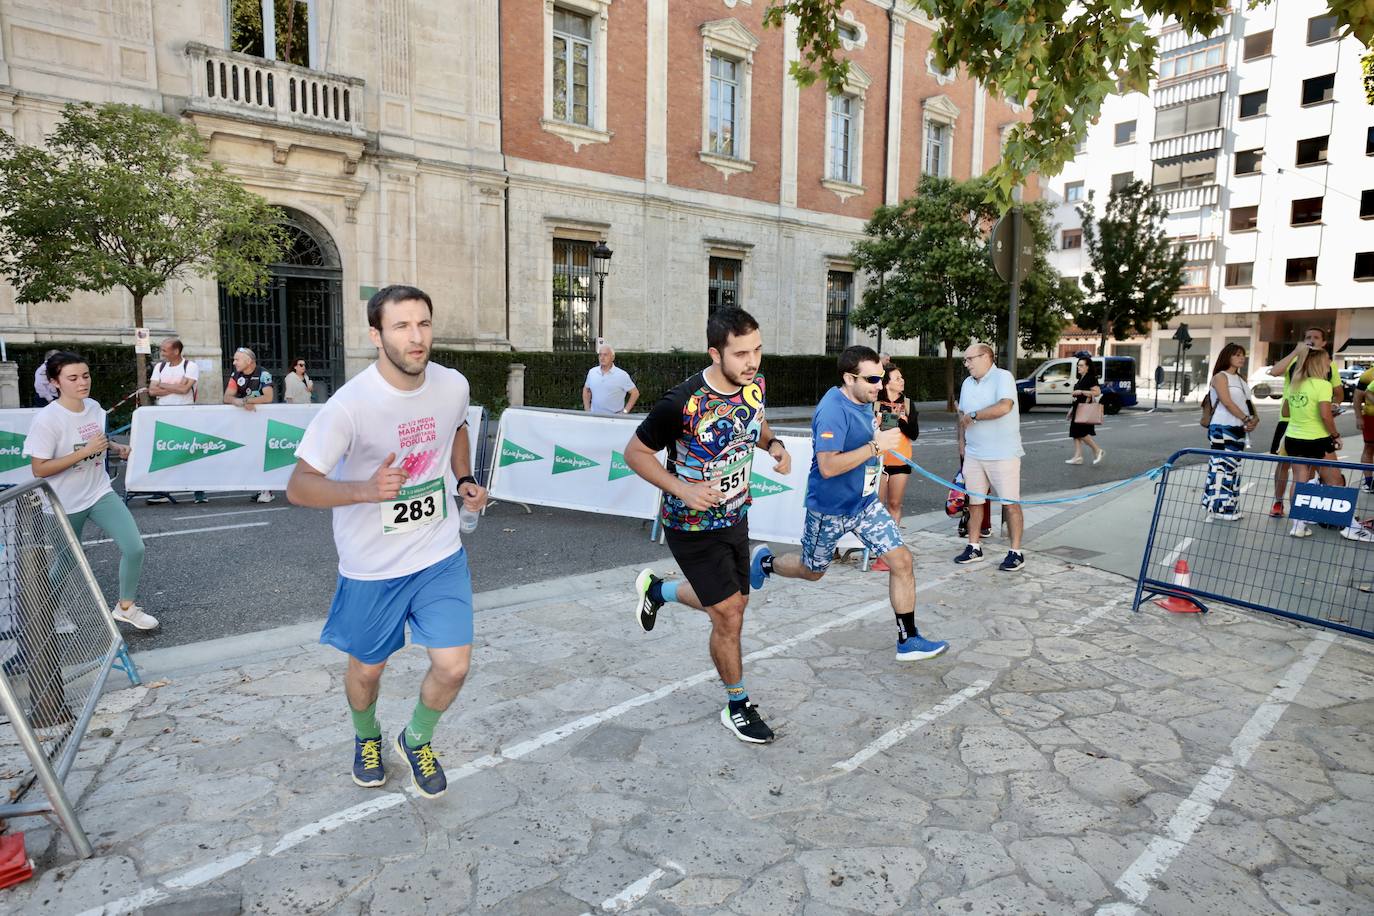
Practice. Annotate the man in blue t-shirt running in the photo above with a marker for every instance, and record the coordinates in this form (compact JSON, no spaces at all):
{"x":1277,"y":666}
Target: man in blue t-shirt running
{"x":842,"y":496}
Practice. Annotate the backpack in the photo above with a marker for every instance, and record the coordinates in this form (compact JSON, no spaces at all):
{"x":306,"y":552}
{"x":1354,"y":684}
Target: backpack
{"x":1208,"y":408}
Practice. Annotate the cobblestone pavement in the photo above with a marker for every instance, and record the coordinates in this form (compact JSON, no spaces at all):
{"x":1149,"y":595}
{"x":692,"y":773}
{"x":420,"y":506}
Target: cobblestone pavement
{"x":1066,"y":756}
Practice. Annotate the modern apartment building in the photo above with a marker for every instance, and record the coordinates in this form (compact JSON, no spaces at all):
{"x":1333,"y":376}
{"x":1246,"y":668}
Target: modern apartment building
{"x":1260,"y":142}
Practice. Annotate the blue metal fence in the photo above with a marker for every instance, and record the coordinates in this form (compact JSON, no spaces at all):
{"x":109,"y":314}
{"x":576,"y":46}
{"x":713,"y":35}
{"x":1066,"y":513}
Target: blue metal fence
{"x":1194,"y":555}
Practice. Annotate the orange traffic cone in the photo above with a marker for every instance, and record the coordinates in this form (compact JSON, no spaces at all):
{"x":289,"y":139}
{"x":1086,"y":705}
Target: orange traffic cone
{"x":1183,"y":579}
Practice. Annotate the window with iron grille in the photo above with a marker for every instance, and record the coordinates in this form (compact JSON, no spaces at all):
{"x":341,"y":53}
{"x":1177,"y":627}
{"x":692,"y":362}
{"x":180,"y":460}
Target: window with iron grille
{"x":839,"y":297}
{"x":572,"y":67}
{"x":722,"y":285}
{"x":724,"y":105}
{"x":842,"y":137}
{"x":573,"y":294}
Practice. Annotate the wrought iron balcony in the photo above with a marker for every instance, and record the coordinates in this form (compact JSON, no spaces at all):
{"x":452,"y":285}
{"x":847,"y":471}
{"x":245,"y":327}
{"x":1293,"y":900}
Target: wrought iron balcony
{"x":226,"y":82}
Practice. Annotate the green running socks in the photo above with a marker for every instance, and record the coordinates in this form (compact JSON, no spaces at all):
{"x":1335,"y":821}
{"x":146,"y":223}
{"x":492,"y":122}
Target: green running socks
{"x":422,"y":722}
{"x":365,"y":722}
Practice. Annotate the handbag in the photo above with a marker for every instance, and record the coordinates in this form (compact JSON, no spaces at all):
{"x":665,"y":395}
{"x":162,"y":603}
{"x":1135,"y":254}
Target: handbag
{"x":1089,"y":413}
{"x":1208,"y":408}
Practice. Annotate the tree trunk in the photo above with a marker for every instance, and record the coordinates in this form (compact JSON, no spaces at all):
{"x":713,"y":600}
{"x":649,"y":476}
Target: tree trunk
{"x":140,"y":360}
{"x":949,"y":376}
{"x":1102,"y":343}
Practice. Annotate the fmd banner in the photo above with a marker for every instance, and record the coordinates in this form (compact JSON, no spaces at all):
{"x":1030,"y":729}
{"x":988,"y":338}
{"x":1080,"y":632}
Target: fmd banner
{"x":1313,"y":502}
{"x":222,"y":448}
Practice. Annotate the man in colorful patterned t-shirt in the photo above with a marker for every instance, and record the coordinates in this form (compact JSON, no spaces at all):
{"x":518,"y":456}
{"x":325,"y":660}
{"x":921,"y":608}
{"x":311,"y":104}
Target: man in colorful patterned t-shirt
{"x":710,"y":425}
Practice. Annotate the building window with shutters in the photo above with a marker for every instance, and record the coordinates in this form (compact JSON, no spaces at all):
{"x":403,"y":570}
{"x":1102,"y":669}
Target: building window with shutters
{"x":572,"y":67}
{"x":937,"y":149}
{"x":574,"y":294}
{"x":723,"y":284}
{"x":575,"y":80}
{"x":842,"y":138}
{"x":839,"y":300}
{"x":727,"y":49}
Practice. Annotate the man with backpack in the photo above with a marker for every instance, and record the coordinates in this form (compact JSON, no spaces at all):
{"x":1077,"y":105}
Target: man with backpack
{"x":173,"y":384}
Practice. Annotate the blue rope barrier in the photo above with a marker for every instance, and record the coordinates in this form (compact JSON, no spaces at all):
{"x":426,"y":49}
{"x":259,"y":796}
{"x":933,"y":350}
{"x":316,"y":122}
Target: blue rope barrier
{"x":1151,"y":474}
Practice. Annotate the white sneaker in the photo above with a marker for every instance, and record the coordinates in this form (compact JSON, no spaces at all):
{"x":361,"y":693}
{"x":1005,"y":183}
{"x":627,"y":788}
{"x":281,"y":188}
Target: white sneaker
{"x":1228,"y":516}
{"x":1357,"y":533}
{"x":1076,"y":459}
{"x":1101,"y":453}
{"x":134,"y":616}
{"x":266,"y":496}
{"x":1300,"y":530}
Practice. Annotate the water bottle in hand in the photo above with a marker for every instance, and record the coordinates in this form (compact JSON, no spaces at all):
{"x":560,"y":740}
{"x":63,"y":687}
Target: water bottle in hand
{"x":467,"y":519}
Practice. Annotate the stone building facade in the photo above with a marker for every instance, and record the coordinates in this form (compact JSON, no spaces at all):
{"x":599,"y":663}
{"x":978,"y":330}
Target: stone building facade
{"x":375,"y":124}
{"x":479,"y":150}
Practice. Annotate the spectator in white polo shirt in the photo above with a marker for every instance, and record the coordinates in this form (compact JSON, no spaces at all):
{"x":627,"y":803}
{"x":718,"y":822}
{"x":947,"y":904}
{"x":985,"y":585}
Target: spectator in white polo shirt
{"x":173,"y":384}
{"x":608,"y":386}
{"x":990,"y":446}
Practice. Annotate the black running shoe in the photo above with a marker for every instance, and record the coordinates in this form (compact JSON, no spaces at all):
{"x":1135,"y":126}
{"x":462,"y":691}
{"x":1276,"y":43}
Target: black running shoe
{"x":747,"y":724}
{"x":646,"y":608}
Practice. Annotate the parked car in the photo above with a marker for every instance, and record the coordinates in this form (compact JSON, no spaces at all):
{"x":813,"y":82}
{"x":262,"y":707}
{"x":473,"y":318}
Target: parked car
{"x":1264,"y":384}
{"x":1349,"y":376}
{"x":1051,"y":384}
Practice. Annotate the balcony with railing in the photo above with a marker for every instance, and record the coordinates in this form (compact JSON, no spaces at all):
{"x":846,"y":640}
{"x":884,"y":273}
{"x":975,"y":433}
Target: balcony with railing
{"x":240,"y":85}
{"x":1198,"y":142}
{"x":1178,"y":199}
{"x":1194,"y":302}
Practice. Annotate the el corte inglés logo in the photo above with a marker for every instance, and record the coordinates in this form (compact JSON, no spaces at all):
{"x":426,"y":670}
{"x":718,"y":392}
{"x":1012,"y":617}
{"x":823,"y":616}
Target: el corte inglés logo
{"x":280,"y":449}
{"x":173,"y":445}
{"x":515,"y":454}
{"x":619,"y":468}
{"x":12,"y":451}
{"x":565,"y":460}
{"x":762,"y":486}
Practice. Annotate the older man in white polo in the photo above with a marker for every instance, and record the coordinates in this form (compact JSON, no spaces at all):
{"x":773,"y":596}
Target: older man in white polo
{"x":990,"y":446}
{"x":609,"y":388}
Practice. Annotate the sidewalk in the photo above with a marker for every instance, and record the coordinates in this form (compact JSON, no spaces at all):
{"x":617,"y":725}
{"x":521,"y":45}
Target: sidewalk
{"x":1065,"y":755}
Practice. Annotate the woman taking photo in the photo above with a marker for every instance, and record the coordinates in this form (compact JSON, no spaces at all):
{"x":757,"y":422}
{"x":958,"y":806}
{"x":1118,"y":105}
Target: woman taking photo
{"x":893,"y":409}
{"x":1231,"y":420}
{"x":66,"y":446}
{"x":1085,"y":391}
{"x":1311,"y":426}
{"x":299,"y":387}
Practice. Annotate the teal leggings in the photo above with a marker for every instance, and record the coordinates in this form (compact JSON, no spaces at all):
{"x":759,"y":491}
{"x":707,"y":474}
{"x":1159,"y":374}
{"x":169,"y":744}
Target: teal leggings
{"x":114,"y":518}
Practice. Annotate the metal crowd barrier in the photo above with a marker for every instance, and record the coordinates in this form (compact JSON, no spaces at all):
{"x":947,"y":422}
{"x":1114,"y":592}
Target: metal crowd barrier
{"x":58,"y":644}
{"x":1192,"y":557}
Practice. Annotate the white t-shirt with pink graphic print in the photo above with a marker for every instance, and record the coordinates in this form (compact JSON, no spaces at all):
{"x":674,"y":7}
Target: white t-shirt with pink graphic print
{"x":363,"y":422}
{"x":57,"y":432}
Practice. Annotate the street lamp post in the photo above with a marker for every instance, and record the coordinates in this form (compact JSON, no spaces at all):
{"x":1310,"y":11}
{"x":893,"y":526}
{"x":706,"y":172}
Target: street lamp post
{"x":601,"y":265}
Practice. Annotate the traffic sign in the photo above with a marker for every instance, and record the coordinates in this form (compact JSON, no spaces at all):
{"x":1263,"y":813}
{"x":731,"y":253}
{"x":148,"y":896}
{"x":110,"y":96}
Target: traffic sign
{"x":1004,"y":238}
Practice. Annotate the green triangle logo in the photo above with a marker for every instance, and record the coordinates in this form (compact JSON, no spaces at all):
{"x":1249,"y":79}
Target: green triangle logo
{"x":619,"y":468}
{"x":760,"y":486}
{"x":514,"y":454}
{"x":173,"y":445}
{"x":279,"y":450}
{"x":565,"y":460}
{"x":12,"y":451}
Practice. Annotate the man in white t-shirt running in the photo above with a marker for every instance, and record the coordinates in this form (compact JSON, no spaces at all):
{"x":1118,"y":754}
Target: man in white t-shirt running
{"x":401,"y":556}
{"x":173,"y":384}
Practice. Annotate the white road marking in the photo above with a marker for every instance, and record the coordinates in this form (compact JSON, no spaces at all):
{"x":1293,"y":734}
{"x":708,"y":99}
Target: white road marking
{"x":1174,"y":554}
{"x":174,"y":534}
{"x":1135,"y":882}
{"x":219,"y":867}
{"x":1078,"y":625}
{"x":1134,"y":425}
{"x":197,"y":517}
{"x":1245,"y":487}
{"x":901,"y":732}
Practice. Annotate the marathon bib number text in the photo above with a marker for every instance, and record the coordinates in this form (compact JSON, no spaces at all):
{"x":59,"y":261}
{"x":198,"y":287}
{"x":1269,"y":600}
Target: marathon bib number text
{"x":733,"y":479}
{"x":415,"y":507}
{"x":871,"y":473}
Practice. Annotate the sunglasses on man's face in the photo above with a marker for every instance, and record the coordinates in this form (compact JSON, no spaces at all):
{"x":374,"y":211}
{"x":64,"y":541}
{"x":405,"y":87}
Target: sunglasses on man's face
{"x":871,"y":379}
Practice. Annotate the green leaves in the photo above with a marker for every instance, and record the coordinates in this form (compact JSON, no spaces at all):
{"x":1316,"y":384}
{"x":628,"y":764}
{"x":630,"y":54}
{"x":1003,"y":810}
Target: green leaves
{"x":122,"y":196}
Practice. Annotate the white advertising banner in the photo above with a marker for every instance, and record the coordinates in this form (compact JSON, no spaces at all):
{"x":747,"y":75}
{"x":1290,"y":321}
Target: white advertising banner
{"x":223,"y":448}
{"x":573,"y":460}
{"x":569,"y":460}
{"x":14,"y":429}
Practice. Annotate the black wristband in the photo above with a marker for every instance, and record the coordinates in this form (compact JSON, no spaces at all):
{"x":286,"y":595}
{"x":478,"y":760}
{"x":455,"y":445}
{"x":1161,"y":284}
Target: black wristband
{"x":467,"y":478}
{"x":769,"y":447}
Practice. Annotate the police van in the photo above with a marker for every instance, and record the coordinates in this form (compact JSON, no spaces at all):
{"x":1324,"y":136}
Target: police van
{"x":1051,"y":384}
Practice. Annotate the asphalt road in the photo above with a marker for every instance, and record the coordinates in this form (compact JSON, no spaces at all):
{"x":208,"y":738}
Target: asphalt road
{"x":232,"y":566}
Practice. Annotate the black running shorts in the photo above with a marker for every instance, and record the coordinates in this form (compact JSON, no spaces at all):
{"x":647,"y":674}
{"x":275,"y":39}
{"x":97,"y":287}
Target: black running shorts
{"x":1280,"y":431}
{"x":714,"y":562}
{"x":1308,"y":448}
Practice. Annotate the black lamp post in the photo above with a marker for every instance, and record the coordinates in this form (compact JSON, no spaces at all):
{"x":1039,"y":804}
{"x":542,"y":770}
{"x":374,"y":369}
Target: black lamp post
{"x":601,"y":265}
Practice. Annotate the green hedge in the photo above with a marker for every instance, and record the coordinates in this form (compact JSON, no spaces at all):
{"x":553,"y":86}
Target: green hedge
{"x":555,"y":379}
{"x":113,"y":372}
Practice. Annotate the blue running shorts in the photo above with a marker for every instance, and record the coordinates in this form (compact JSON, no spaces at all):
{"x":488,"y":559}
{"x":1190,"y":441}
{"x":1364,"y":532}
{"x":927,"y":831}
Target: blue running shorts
{"x":873,"y":525}
{"x":368,"y":617}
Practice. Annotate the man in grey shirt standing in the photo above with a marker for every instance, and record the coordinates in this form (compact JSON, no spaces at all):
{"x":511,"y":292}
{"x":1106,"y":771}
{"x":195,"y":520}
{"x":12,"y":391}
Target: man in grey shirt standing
{"x":990,"y":446}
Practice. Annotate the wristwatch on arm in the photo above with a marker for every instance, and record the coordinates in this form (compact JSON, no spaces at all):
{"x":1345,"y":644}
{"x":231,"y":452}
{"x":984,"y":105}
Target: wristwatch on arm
{"x":973,"y":415}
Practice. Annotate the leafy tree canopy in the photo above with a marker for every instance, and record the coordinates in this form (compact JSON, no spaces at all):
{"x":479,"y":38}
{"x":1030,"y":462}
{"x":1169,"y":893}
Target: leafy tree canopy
{"x":1063,"y":58}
